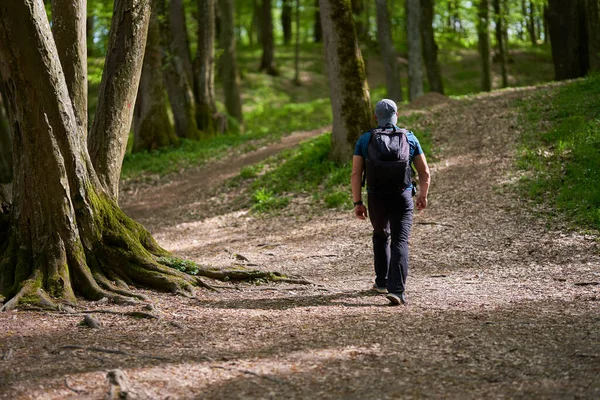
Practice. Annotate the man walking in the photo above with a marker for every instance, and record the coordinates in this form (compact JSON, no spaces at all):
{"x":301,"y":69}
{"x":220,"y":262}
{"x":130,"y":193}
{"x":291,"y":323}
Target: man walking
{"x":386,"y":154}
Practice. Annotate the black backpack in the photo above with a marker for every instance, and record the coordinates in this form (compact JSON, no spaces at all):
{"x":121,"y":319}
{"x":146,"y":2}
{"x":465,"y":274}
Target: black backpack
{"x":387,"y":166}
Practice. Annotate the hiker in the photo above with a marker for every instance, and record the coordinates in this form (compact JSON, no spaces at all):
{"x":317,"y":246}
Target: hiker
{"x":386,"y":155}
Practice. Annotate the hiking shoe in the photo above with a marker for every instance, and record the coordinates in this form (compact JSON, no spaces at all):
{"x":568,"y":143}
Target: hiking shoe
{"x":379,"y":289}
{"x":396,"y":299}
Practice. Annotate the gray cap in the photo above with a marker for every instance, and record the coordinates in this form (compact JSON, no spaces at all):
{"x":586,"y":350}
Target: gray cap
{"x":385,"y":111}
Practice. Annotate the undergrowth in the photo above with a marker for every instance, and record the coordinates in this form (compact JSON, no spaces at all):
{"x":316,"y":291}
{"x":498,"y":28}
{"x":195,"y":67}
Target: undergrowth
{"x":560,"y":149}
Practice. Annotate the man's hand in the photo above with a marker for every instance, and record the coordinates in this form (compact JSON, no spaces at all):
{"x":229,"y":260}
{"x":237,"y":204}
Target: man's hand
{"x":360,"y":212}
{"x":421,"y":202}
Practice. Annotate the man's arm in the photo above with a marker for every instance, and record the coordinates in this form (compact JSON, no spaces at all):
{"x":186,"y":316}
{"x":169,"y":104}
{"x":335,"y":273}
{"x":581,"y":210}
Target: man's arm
{"x":356,"y":182}
{"x":424,"y":180}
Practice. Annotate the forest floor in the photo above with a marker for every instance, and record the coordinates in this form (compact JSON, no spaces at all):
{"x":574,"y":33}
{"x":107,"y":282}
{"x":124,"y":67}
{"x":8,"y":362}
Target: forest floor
{"x":502,"y":303}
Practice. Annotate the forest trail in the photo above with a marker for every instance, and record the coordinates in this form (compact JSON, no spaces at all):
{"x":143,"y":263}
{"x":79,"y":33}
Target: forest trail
{"x":502,"y":304}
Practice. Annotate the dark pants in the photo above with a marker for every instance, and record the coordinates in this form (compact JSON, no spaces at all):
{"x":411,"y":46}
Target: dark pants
{"x":391,"y":216}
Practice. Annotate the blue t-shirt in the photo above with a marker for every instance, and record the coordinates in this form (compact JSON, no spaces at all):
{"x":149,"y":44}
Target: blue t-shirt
{"x":362,"y":146}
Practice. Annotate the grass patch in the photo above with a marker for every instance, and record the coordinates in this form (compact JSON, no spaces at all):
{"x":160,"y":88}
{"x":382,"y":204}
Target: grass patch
{"x":560,"y":149}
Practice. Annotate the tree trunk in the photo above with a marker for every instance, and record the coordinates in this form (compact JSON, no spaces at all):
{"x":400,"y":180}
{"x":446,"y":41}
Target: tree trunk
{"x":430,"y":48}
{"x":176,"y":67}
{"x":483,"y":26}
{"x":500,"y":42}
{"x":70,"y":22}
{"x":66,"y":235}
{"x":6,"y":157}
{"x":358,"y":8}
{"x":593,"y":27}
{"x":297,"y":47}
{"x":89,"y":28}
{"x":531,"y":23}
{"x":229,"y":68}
{"x":317,"y":31}
{"x":267,"y":62}
{"x":151,"y":126}
{"x":568,"y":38}
{"x":349,"y":92}
{"x":413,"y":25}
{"x":286,"y":21}
{"x":388,"y":52}
{"x":546,"y":26}
{"x":118,"y":89}
{"x":204,"y":69}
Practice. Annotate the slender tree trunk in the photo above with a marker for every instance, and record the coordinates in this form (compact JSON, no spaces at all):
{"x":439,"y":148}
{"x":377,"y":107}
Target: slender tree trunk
{"x":546,"y":26}
{"x":6,"y":155}
{"x":69,"y":22}
{"x":297,"y":49}
{"x":267,"y":62}
{"x":231,"y":82}
{"x":593,"y":27}
{"x":483,"y":26}
{"x":286,"y":21}
{"x":118,"y":89}
{"x":349,"y":92}
{"x":415,"y":73}
{"x":500,"y":42}
{"x":204,"y":69}
{"x":89,"y":27}
{"x":568,"y":39}
{"x":388,"y":52}
{"x":151,"y":126}
{"x":531,"y":24}
{"x":430,"y":48}
{"x":318,"y":32}
{"x":176,"y":68}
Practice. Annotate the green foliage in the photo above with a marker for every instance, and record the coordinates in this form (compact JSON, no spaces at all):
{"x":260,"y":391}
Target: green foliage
{"x":265,"y":200}
{"x":189,"y":267}
{"x":561,"y":149}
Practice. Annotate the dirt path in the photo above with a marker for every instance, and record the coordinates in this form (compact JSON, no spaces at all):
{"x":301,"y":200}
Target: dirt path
{"x":497,"y":309}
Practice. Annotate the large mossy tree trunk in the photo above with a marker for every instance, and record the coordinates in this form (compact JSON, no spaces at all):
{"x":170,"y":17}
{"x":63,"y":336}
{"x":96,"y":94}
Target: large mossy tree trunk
{"x":229,"y":66}
{"x":267,"y":62}
{"x":388,"y":52}
{"x":568,"y":38}
{"x":430,"y":47}
{"x":177,"y":67}
{"x":204,"y":69}
{"x":349,"y":92}
{"x":109,"y":133}
{"x":483,"y":35}
{"x":500,"y":45}
{"x":415,"y":55}
{"x":151,"y":125}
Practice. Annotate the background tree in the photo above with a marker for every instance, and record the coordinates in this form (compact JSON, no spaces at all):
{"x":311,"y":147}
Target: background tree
{"x":348,"y":87}
{"x":177,"y":67}
{"x":286,"y":20}
{"x":483,"y":25}
{"x":297,"y":47}
{"x":413,"y":24}
{"x":592,"y":14}
{"x":151,"y":125}
{"x":430,"y":47}
{"x":317,"y":30}
{"x":229,"y":68}
{"x":267,"y":62}
{"x":6,"y":172}
{"x":358,"y":11}
{"x":500,"y":48}
{"x":204,"y":69}
{"x":388,"y":52}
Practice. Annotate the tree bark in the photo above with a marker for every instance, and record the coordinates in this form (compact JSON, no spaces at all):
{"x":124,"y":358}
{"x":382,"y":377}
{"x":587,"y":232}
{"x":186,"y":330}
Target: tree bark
{"x":286,"y":21}
{"x":568,"y":38}
{"x":483,"y":26}
{"x":348,"y":87}
{"x":70,"y":22}
{"x":6,"y":157}
{"x":500,"y":42}
{"x":118,"y":89}
{"x":176,"y":67}
{"x":415,"y":74}
{"x":592,"y":14}
{"x":531,"y":22}
{"x":317,"y":31}
{"x":204,"y":69}
{"x":229,"y":68}
{"x":388,"y":52}
{"x":430,"y":48}
{"x":297,"y":47}
{"x":267,"y":62}
{"x":151,"y":126}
